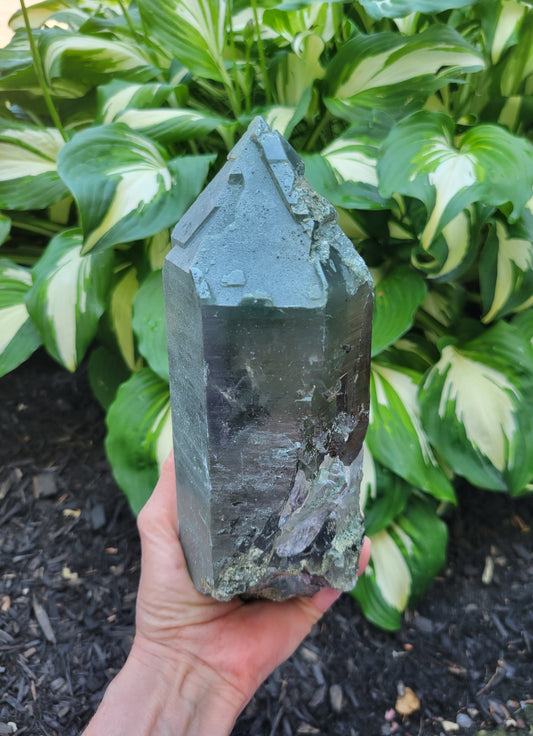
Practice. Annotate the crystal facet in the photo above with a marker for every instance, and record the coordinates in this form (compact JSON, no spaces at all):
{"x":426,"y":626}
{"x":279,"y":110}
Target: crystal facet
{"x":269,"y":311}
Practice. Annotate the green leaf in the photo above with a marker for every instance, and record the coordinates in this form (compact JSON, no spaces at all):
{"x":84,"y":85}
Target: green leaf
{"x":139,"y":436}
{"x":193,"y":31}
{"x":419,"y":158}
{"x":392,"y":496}
{"x":477,"y":407}
{"x":117,"y":96}
{"x":398,"y":294}
{"x":68,"y":296}
{"x":74,"y":63}
{"x":28,"y":174}
{"x":169,"y":125}
{"x":5,"y":227}
{"x":501,"y":23}
{"x":396,"y":436}
{"x":378,"y":9}
{"x":121,"y":314}
{"x":390,"y":71}
{"x":346,"y":194}
{"x":106,"y":371}
{"x":18,"y":337}
{"x":149,"y":324}
{"x":123,"y":186}
{"x":506,"y":271}
{"x":320,"y":18}
{"x":405,"y":557}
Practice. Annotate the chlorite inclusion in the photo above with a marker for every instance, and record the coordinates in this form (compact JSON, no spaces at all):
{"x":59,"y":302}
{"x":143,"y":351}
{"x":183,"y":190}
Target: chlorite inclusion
{"x":268,"y":309}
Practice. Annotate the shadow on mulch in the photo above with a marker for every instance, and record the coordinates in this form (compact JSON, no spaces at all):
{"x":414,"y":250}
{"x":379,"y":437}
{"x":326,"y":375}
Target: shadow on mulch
{"x":69,"y":567}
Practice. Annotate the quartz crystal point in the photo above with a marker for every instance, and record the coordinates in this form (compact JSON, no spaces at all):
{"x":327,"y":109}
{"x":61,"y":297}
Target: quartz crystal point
{"x":269,"y":311}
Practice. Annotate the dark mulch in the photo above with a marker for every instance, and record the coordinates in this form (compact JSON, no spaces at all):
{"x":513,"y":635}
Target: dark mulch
{"x":69,"y":567}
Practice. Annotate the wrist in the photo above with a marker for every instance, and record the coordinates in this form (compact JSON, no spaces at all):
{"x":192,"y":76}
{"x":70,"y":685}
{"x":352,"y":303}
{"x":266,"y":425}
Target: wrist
{"x":160,"y":695}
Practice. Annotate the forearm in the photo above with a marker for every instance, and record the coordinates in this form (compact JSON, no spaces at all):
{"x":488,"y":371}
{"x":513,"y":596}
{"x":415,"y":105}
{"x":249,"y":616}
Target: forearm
{"x":164,"y":698}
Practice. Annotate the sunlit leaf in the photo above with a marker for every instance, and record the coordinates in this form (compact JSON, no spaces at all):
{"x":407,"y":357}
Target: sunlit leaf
{"x":477,"y":407}
{"x":320,"y":18}
{"x":18,"y":336}
{"x":68,"y":296}
{"x":405,"y":557}
{"x":149,"y":324}
{"x":387,"y":70}
{"x":396,"y":436}
{"x":124,"y":187}
{"x":74,"y":62}
{"x":28,"y":171}
{"x":120,"y":314}
{"x":169,"y":125}
{"x":398,"y":294}
{"x":117,"y":96}
{"x":191,"y":30}
{"x":139,"y":436}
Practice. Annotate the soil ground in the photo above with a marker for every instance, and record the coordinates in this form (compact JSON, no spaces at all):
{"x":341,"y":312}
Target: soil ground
{"x":69,"y":567}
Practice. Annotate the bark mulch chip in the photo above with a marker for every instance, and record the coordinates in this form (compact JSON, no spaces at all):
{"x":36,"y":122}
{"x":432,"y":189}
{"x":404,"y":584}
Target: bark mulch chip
{"x":69,"y":569}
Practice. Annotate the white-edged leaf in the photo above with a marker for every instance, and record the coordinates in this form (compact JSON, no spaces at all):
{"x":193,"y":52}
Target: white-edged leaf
{"x":395,"y":434}
{"x":506,"y":271}
{"x":321,"y":18}
{"x":123,"y":186}
{"x":398,"y":294}
{"x":74,"y":62}
{"x":452,"y":252}
{"x":345,"y":194}
{"x":117,"y":96}
{"x":18,"y":336}
{"x":477,"y":407}
{"x":378,"y":9}
{"x":139,"y":435}
{"x":149,"y":324}
{"x":28,"y":172}
{"x":387,"y":70}
{"x":68,"y":296}
{"x":169,"y":125}
{"x":405,"y":557}
{"x":193,"y":31}
{"x":420,"y":158}
{"x":296,"y":72}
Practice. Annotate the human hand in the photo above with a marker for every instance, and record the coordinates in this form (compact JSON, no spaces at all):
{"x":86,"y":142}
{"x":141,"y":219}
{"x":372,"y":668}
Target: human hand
{"x":201,"y":659}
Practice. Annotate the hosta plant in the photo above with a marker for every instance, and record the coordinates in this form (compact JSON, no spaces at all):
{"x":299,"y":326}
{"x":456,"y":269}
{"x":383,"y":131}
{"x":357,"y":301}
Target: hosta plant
{"x":414,"y":119}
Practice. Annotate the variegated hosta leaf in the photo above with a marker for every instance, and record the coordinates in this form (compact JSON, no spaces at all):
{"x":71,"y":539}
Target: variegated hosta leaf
{"x":117,"y":96}
{"x":396,"y":436}
{"x":391,"y":494}
{"x":123,"y":186}
{"x":16,"y":66}
{"x":319,"y":17}
{"x":149,"y":324}
{"x":169,"y":125}
{"x":68,"y":296}
{"x":139,"y":435}
{"x":345,"y":194}
{"x":406,"y":555}
{"x":506,"y":271}
{"x":387,"y":70}
{"x":74,"y":63}
{"x":398,"y":294}
{"x":296,"y":72}
{"x":518,"y":65}
{"x":501,"y":23}
{"x":378,"y":9}
{"x":28,"y":173}
{"x":452,"y":252}
{"x":193,"y":31}
{"x":524,"y":323}
{"x":157,"y":248}
{"x":420,"y":158}
{"x":477,"y":408}
{"x":18,"y":336}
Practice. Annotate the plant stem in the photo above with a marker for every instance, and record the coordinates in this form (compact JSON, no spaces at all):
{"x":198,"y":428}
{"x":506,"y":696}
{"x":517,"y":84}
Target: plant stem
{"x":261,"y":51}
{"x":40,"y":74}
{"x":35,"y":224}
{"x":233,"y":54}
{"x":317,"y":132}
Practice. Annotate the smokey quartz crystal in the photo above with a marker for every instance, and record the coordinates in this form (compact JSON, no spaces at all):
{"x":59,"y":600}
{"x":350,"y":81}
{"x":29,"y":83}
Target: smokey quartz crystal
{"x":268,"y":309}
